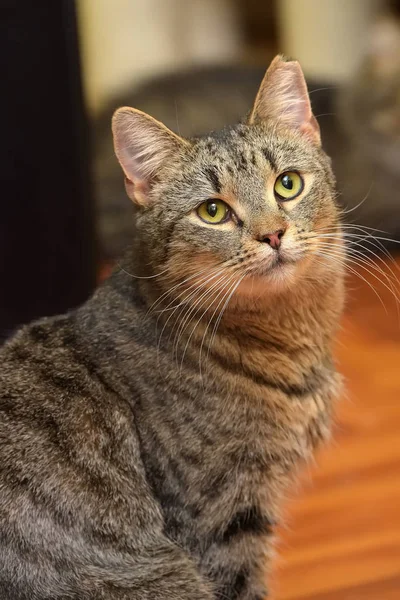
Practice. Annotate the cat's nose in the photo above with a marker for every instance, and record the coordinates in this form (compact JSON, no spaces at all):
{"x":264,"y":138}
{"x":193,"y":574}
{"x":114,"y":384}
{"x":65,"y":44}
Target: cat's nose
{"x":273,"y":239}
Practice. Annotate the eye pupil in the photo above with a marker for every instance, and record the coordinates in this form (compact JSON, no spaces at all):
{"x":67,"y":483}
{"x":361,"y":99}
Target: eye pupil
{"x":288,"y":186}
{"x":212,"y":209}
{"x":287,"y":182}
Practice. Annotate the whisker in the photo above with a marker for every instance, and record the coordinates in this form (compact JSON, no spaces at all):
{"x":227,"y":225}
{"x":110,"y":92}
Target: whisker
{"x":171,"y":290}
{"x":194,"y":285}
{"x":361,"y":262}
{"x":195,"y":309}
{"x":362,"y":257}
{"x":183,"y":304}
{"x":208,"y":325}
{"x":357,"y":274}
{"x":376,"y":256}
{"x":346,"y":212}
{"x":342,"y":226}
{"x":214,"y":332}
{"x":358,"y":238}
{"x":140,"y":276}
{"x":220,"y":291}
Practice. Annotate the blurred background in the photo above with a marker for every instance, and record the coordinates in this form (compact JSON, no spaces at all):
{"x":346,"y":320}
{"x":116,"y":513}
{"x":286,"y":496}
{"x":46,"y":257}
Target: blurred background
{"x":131,"y":41}
{"x":196,"y":65}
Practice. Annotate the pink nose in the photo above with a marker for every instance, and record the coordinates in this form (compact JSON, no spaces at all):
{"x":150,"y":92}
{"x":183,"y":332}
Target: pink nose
{"x":273,"y":239}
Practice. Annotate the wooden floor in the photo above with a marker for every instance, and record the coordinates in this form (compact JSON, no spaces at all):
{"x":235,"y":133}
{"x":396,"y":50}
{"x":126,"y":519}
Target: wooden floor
{"x":342,"y":539}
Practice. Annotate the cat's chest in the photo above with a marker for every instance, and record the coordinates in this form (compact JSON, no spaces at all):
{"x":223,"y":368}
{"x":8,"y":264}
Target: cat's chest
{"x":243,"y":438}
{"x":263,"y":418}
{"x":229,"y":451}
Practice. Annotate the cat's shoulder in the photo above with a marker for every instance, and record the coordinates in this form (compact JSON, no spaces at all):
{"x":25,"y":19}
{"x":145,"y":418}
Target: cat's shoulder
{"x":49,"y":386}
{"x":41,"y":361}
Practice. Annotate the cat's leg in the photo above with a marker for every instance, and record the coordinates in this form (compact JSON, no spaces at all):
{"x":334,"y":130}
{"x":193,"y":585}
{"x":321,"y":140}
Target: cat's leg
{"x":162,"y":572}
{"x":239,"y":566}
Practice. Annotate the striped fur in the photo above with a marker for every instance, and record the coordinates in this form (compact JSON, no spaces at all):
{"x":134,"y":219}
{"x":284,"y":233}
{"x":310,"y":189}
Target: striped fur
{"x":148,"y":438}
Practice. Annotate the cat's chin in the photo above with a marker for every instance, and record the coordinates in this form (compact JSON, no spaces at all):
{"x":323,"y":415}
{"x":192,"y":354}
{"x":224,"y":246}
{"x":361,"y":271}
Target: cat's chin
{"x":278,"y":278}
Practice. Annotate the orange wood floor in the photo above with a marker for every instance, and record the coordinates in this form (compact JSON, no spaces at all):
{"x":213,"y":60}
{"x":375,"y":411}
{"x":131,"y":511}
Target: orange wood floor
{"x":342,"y":539}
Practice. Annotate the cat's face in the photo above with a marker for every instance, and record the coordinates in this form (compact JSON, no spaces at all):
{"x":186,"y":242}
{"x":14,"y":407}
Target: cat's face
{"x":244,"y":207}
{"x":223,"y":204}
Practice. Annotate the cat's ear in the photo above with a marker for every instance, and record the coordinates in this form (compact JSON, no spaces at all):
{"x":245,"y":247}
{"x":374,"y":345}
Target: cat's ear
{"x":383,"y":50}
{"x":283,"y":97}
{"x":142,"y":146}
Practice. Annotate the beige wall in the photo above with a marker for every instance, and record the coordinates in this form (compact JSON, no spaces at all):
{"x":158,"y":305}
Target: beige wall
{"x":128,"y":40}
{"x":125,"y":41}
{"x":326,"y":36}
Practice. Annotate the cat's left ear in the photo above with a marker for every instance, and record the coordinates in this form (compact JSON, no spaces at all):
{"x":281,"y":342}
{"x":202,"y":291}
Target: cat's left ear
{"x":283,"y":96}
{"x":142,"y":145}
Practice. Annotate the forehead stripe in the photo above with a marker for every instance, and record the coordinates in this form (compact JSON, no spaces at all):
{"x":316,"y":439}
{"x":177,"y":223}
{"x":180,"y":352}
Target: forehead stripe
{"x":212,"y":176}
{"x":269,"y":158}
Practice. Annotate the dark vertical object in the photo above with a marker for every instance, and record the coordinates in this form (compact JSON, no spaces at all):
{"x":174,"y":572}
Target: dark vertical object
{"x":259,"y":23}
{"x":394,"y":6}
{"x":47,"y":257}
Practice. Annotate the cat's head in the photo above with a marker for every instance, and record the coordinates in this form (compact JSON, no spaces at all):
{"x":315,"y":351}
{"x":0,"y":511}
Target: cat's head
{"x":370,"y":102}
{"x":253,"y":201}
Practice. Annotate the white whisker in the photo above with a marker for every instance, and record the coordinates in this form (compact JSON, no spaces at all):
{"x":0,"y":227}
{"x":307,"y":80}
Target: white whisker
{"x":214,"y":332}
{"x":357,"y":274}
{"x":220,"y":291}
{"x":195,"y":309}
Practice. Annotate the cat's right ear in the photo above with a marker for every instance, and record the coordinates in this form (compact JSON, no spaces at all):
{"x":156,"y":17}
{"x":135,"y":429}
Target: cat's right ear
{"x":142,"y":146}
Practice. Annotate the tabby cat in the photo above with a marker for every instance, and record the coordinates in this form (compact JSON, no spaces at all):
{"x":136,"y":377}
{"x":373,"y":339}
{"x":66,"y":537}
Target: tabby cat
{"x":147,"y":438}
{"x":360,"y":122}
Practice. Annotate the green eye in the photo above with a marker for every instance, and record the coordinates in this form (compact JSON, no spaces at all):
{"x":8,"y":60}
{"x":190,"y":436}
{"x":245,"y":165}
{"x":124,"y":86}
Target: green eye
{"x":288,"y":185}
{"x":214,"y":211}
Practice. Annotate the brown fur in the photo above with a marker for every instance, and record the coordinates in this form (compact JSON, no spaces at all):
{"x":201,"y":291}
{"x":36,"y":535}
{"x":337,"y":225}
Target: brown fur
{"x":147,"y":439}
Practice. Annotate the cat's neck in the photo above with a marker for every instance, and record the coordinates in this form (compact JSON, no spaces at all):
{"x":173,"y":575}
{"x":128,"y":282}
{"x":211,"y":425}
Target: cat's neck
{"x":272,"y":334}
{"x":276,"y":315}
{"x":291,"y":323}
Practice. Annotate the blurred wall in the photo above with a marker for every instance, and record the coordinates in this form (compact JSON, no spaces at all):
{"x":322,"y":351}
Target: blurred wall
{"x":125,"y":41}
{"x":326,"y":36}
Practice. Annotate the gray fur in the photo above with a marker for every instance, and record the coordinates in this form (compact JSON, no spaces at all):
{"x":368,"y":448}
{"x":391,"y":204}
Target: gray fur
{"x":144,"y":456}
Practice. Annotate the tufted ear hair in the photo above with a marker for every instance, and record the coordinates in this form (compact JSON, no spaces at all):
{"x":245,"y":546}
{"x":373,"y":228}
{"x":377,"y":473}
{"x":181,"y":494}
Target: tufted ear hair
{"x":283,"y":96}
{"x":142,"y":145}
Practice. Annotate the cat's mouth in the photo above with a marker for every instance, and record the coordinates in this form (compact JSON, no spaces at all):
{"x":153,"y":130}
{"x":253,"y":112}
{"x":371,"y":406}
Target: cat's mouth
{"x":280,"y":262}
{"x":282,"y":266}
{"x":276,"y":275}
{"x":279,"y":266}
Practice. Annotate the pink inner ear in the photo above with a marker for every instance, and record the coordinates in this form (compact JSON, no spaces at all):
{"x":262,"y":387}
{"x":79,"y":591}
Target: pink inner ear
{"x":296,"y":109}
{"x":137,"y":191}
{"x":312,"y":130}
{"x":142,"y":146}
{"x":138,"y":182}
{"x":283,"y":96}
{"x":128,"y":156}
{"x":291,"y":92}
